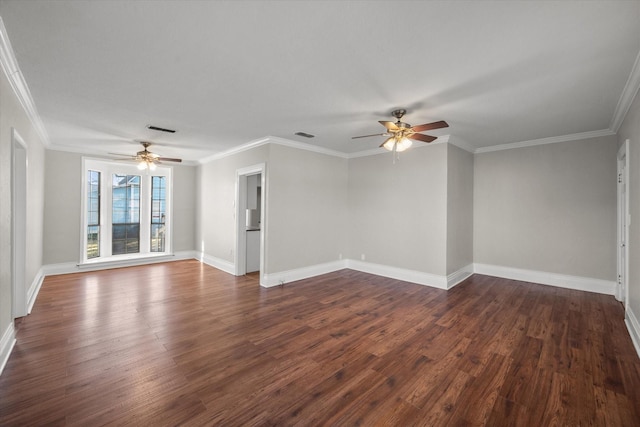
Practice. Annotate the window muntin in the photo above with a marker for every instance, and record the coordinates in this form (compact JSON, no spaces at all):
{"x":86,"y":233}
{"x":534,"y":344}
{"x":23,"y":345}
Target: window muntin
{"x":93,"y":214}
{"x":158,"y":213}
{"x":125,"y":217}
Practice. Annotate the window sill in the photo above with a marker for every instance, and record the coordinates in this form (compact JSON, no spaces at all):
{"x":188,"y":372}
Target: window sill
{"x":125,"y":260}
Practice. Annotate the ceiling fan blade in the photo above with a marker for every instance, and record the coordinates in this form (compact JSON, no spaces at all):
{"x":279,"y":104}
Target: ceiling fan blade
{"x":389,"y":125}
{"x":430,"y":126}
{"x":421,"y":137}
{"x":367,"y":136}
{"x":168,"y":159}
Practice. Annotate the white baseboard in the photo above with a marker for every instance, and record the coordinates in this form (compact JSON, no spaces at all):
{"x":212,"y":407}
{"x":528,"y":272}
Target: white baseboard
{"x":419,"y":277}
{"x":7,"y":342}
{"x":633,"y":326}
{"x":397,"y":273}
{"x":220,"y":264}
{"x":284,"y":277}
{"x":458,"y":276}
{"x":34,"y":289}
{"x":60,"y":268}
{"x":72,"y":267}
{"x":442,"y":282}
{"x":607,"y":287}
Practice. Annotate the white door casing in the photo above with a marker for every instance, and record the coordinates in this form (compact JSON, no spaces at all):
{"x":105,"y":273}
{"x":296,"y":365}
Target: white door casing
{"x":240,"y":216}
{"x":623,"y":220}
{"x":18,"y":224}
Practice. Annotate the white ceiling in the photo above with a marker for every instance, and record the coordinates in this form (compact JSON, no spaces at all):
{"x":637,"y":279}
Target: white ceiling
{"x":225,"y":73}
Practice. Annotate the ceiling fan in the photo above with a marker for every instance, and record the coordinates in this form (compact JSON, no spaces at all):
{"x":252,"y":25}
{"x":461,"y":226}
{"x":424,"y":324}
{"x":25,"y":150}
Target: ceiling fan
{"x":400,"y":134}
{"x":146,"y":159}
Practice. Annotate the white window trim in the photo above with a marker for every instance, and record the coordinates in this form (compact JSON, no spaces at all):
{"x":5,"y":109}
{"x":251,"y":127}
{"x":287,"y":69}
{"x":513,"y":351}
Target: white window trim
{"x":107,"y":168}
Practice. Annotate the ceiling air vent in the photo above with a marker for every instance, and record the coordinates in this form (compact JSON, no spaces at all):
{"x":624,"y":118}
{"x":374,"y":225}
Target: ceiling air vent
{"x":306,"y":135}
{"x":160,"y":129}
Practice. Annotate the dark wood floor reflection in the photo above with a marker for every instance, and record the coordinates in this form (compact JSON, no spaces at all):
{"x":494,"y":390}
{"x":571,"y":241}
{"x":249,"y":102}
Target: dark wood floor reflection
{"x":184,"y":344}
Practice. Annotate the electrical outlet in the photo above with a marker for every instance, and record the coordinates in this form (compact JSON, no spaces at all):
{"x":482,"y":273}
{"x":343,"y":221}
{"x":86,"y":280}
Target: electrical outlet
{"x":362,"y":257}
{"x":339,"y":256}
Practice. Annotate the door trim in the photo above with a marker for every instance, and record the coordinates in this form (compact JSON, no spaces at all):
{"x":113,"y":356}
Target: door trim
{"x":240,"y":214}
{"x":623,"y":219}
{"x":19,"y":166}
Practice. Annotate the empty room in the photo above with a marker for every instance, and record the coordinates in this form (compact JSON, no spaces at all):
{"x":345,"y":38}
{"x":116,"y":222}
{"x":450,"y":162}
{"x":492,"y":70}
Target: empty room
{"x":252,"y":213}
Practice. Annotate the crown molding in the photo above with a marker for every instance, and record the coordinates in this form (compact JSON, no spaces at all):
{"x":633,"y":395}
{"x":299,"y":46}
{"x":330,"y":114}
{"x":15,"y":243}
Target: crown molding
{"x":366,"y":153}
{"x":308,"y":147}
{"x":543,"y":141}
{"x":11,"y":69}
{"x":628,"y":95}
{"x":235,"y":150}
{"x":273,"y":140}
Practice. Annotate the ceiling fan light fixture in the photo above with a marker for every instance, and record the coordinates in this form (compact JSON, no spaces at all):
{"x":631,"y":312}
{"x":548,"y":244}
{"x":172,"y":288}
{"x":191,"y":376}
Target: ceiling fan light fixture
{"x":401,"y":144}
{"x":389,"y":143}
{"x":147,"y":164}
{"x":401,"y":134}
{"x":145,"y":159}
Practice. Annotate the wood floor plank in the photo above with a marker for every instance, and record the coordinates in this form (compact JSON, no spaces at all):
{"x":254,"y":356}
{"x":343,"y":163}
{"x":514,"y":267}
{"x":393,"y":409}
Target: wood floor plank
{"x":182,"y":343}
{"x":487,"y":384}
{"x":508,"y":413}
{"x":425,"y":388}
{"x":517,"y":386}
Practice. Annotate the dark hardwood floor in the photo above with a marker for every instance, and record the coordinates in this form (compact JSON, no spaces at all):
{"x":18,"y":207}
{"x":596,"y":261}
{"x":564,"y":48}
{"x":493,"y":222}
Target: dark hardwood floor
{"x":184,"y":344}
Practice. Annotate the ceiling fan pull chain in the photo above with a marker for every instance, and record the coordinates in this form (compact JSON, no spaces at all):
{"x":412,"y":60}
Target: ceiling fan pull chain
{"x":395,"y":152}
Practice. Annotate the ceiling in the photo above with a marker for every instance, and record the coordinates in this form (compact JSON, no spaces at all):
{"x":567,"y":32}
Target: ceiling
{"x":226,"y":73}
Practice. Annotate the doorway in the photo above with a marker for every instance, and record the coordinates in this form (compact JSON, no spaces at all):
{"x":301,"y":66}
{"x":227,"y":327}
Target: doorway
{"x":622,"y":291}
{"x":18,"y":224}
{"x":250,"y":220}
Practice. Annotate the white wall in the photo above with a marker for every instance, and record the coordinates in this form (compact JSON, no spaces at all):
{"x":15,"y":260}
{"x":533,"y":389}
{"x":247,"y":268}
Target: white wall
{"x":630,"y":129}
{"x":306,"y":208}
{"x":184,"y":207}
{"x":548,"y":208}
{"x":12,"y":115}
{"x":63,"y":192}
{"x":397,"y":212}
{"x":459,"y":209}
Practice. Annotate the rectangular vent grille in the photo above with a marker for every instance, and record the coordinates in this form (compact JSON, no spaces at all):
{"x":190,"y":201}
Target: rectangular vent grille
{"x":160,"y":129}
{"x":304,"y":134}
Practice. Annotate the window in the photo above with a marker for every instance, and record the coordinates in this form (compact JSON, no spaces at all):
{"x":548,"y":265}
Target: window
{"x":93,"y":214}
{"x":126,"y":213}
{"x":158,"y":213}
{"x":125,"y":219}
